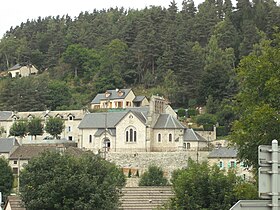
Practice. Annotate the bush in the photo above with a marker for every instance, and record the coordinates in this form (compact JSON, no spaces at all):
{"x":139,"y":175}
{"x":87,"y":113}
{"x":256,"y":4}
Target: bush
{"x":153,"y":177}
{"x":192,"y":112}
{"x":222,"y":131}
{"x":181,"y":112}
{"x":206,"y":119}
{"x":208,"y":127}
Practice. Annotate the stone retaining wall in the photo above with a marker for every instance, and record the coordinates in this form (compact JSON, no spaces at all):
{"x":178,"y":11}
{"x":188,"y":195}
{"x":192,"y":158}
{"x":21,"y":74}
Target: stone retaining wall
{"x":168,"y":161}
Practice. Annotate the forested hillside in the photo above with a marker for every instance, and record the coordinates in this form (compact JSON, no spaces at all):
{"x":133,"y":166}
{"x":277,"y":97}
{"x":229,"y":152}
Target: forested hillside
{"x":185,"y":55}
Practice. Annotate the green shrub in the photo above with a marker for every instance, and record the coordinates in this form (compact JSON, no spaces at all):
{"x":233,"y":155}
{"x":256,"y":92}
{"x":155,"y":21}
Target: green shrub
{"x":181,"y":112}
{"x":222,"y":131}
{"x":153,"y":177}
{"x":192,"y":112}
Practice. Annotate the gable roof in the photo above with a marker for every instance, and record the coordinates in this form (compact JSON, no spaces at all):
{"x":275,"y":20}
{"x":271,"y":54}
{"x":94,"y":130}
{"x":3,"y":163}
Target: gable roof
{"x":7,"y":144}
{"x":139,"y":98}
{"x":168,"y":121}
{"x":15,"y":67}
{"x":223,"y":152}
{"x":29,"y":151}
{"x":100,"y":131}
{"x":113,"y":95}
{"x":191,"y":135}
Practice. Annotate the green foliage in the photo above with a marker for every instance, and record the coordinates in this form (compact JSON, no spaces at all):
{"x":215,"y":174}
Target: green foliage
{"x":192,"y":112}
{"x":61,"y":181}
{"x":7,"y":178}
{"x":211,"y":105}
{"x":153,"y":177}
{"x":182,"y":112}
{"x":54,"y":126}
{"x":19,"y":128}
{"x":187,"y":54}
{"x":258,"y":101}
{"x":205,"y":119}
{"x":202,"y":187}
{"x":35,"y":127}
{"x":222,"y":131}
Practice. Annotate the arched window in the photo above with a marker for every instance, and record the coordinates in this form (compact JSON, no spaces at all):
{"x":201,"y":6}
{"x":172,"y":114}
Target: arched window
{"x":159,"y":137}
{"x":130,"y":134}
{"x":90,"y":138}
{"x":135,"y":136}
{"x":170,"y":137}
{"x":126,"y":136}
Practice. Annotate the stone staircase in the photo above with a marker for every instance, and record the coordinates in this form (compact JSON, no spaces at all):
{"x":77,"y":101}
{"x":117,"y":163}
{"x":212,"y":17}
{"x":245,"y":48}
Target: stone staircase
{"x":144,"y":198}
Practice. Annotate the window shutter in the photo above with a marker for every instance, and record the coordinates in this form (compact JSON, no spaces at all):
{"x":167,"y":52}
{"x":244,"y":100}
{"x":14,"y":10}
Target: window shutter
{"x":234,"y":164}
{"x":228,"y":164}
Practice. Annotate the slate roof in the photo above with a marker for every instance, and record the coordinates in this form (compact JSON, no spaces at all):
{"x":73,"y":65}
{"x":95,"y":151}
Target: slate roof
{"x":77,"y":114}
{"x":191,"y":135}
{"x":168,"y":121}
{"x":101,"y":120}
{"x":27,"y":152}
{"x":15,"y":67}
{"x":7,"y":144}
{"x":113,"y":95}
{"x":4,"y":115}
{"x":100,"y":131}
{"x":139,"y":98}
{"x":223,"y":152}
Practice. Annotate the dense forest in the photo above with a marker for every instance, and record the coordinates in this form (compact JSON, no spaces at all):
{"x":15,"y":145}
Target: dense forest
{"x":187,"y":55}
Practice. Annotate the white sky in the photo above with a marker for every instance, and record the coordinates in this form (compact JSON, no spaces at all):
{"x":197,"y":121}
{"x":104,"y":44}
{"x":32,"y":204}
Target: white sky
{"x":14,"y":12}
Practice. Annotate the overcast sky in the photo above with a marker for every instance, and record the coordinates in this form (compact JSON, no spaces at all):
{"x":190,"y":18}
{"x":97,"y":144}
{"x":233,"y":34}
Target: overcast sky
{"x":14,"y":12}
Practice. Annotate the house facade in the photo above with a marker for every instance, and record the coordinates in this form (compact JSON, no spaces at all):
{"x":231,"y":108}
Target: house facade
{"x":226,"y":159}
{"x":22,"y":70}
{"x":71,"y":119}
{"x":118,"y":98}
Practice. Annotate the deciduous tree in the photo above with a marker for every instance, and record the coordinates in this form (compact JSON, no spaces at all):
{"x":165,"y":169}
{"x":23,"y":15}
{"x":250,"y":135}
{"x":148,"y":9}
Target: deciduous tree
{"x":62,"y":181}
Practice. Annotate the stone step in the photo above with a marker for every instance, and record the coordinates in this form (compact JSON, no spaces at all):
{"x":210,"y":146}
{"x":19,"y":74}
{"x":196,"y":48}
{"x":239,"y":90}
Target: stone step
{"x":147,"y":198}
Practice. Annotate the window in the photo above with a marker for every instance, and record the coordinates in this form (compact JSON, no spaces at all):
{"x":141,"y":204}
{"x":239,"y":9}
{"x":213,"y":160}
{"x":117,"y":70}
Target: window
{"x":69,"y":129}
{"x":70,"y":117}
{"x":159,"y":137}
{"x":90,"y":138}
{"x":126,"y":137}
{"x":188,"y":145}
{"x":221,"y":164}
{"x":15,"y":162}
{"x":130,"y":134}
{"x":232,"y":164}
{"x":170,"y":137}
{"x":70,"y":138}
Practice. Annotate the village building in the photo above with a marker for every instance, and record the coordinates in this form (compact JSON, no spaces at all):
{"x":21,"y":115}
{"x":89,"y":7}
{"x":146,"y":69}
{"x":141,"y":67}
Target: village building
{"x":7,"y":145}
{"x":226,"y":159}
{"x":143,"y":129}
{"x":22,"y":70}
{"x":118,"y":98}
{"x":71,"y":119}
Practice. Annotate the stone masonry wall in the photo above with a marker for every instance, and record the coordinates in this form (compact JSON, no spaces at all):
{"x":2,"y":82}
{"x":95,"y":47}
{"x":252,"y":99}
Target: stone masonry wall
{"x":168,"y":161}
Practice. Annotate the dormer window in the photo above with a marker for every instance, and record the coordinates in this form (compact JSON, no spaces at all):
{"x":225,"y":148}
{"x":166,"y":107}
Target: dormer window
{"x":71,"y":117}
{"x":15,"y":118}
{"x":120,"y":93}
{"x":107,"y":94}
{"x":59,"y":116}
